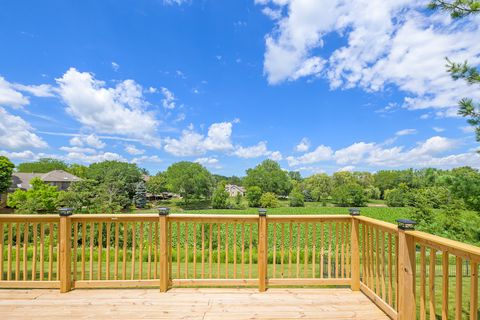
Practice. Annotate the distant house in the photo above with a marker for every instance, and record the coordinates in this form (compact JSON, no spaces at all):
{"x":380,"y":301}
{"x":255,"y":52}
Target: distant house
{"x":234,"y":190}
{"x":59,"y":178}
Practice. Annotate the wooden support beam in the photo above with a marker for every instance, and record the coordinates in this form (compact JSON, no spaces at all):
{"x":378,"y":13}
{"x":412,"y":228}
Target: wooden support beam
{"x":406,"y":276}
{"x":355,"y":255}
{"x":262,"y":251}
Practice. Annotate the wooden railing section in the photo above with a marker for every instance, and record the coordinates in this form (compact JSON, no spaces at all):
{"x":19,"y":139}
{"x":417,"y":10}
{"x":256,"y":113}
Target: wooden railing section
{"x":408,"y":274}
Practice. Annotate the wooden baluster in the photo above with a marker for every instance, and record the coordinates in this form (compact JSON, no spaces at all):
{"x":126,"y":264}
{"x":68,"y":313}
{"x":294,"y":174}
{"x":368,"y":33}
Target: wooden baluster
{"x":226,"y":250}
{"x":330,"y":229}
{"x":203,"y":251}
{"x":116,"y":243}
{"x":194,"y":250}
{"x":1,"y":252}
{"x":432,"y":283}
{"x":377,"y":261}
{"x":336,"y":248}
{"x":25,"y":242}
{"x":314,"y":247}
{"x":290,"y":252}
{"x":34,"y":258}
{"x":124,"y":255}
{"x":364,"y":255}
{"x":107,"y":248}
{"x":234,"y":250}
{"x":140,"y":252}
{"x":58,"y":253}
{"x":458,"y":288}
{"x":396,"y":271}
{"x":341,"y":239}
{"x":243,"y":250}
{"x":178,"y":250}
{"x":149,"y":258}
{"x":9,"y":252}
{"x":100,"y":247}
{"x":42,"y":236}
{"x":134,"y":251}
{"x":185,"y":243}
{"x":372,"y":258}
{"x":367,"y":256}
{"x":274,"y":250}
{"x":282,"y":253}
{"x":305,"y":252}
{"x":92,"y":230}
{"x":322,"y":252}
{"x":17,"y":253}
{"x":50,"y":253}
{"x":298,"y":250}
{"x":390,"y":270}
{"x":250,"y":252}
{"x":445,"y":286}
{"x":423,"y":271}
{"x":210,"y":251}
{"x":474,"y":290}
{"x":382,"y":264}
{"x":218,"y":251}
{"x":75,"y":249}
{"x":84,"y":243}
{"x":348,"y":253}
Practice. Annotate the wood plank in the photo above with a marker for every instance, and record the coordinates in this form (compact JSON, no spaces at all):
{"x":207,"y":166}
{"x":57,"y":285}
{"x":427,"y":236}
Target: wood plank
{"x":385,"y":307}
{"x":431,"y":278}
{"x":423,"y":283}
{"x":30,"y":284}
{"x":445,"y":288}
{"x":458,"y":288}
{"x":473,"y":290}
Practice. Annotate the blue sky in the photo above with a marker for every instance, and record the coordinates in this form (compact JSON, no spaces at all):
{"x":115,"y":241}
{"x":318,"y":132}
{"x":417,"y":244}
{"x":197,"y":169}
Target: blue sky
{"x":319,"y":86}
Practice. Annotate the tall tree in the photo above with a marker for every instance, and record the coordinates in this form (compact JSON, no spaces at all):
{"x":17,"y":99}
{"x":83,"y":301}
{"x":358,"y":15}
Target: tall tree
{"x":269,"y":177}
{"x":462,"y":70}
{"x":189,"y":179}
{"x":42,"y":166}
{"x":6,"y":170}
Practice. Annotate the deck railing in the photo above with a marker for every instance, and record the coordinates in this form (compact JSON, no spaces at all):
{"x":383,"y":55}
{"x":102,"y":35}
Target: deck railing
{"x":408,"y":274}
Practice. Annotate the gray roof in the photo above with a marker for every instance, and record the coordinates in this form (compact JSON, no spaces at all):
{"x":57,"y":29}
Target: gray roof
{"x":21,"y":180}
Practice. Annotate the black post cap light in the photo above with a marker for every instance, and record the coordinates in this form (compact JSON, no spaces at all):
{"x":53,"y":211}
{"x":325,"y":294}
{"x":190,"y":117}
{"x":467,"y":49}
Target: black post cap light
{"x":354,"y":211}
{"x":405,"y":224}
{"x":163,"y":211}
{"x":262,"y":212}
{"x":65,"y":212}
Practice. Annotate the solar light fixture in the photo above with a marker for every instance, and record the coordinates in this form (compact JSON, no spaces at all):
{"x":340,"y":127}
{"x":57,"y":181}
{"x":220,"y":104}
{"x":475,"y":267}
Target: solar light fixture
{"x":405,"y":224}
{"x":65,"y":212}
{"x":262,"y":212}
{"x":163,"y":211}
{"x":354,"y":211}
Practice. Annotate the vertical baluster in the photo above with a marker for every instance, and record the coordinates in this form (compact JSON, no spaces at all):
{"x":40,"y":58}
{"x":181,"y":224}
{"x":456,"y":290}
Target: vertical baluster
{"x":274,"y":250}
{"x":107,"y":258}
{"x":178,"y":250}
{"x":124,"y":249}
{"x":140,"y":252}
{"x":445,"y":286}
{"x":348,"y":254}
{"x":314,"y":247}
{"x":25,"y":242}
{"x":322,"y":250}
{"x":337,"y":240}
{"x":330,"y":229}
{"x":372,"y":257}
{"x":9,"y":252}
{"x":149,"y":259}
{"x":117,"y":231}
{"x":458,"y":288}
{"x":34,"y":258}
{"x":92,"y":230}
{"x":382,"y":264}
{"x":282,"y":253}
{"x":305,"y":252}
{"x":390,"y":270}
{"x":50,"y":252}
{"x":250,"y":252}
{"x":75,"y":249}
{"x":156,"y":251}
{"x":432,"y":283}
{"x":100,"y":247}
{"x":363,"y":256}
{"x":210,"y":251}
{"x":298,"y":250}
{"x":203,"y":250}
{"x":84,"y":243}
{"x":423,"y":271}
{"x":1,"y":251}
{"x":290,"y":251}
{"x":17,"y":252}
{"x":194,"y":250}
{"x":234,"y":250}
{"x":243,"y":250}
{"x":473,"y":290}
{"x":218,"y":251}
{"x":185,"y":242}
{"x":58,"y":252}
{"x":134,"y":247}
{"x":226,"y":250}
{"x":377,"y":262}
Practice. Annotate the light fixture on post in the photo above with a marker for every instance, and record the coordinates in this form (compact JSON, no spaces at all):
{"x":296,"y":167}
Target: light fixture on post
{"x":354,"y":211}
{"x":405,"y":224}
{"x":65,"y":212}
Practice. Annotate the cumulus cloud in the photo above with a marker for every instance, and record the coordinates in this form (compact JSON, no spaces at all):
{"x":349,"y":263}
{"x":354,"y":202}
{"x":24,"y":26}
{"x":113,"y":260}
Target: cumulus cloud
{"x":87,"y":140}
{"x":303,"y":146}
{"x":147,"y":159}
{"x":17,"y":134}
{"x":209,"y":162}
{"x":393,"y":42}
{"x":118,"y":110}
{"x":131,"y":149}
{"x":255,"y":151}
{"x":9,"y":97}
{"x":192,"y":143}
{"x":321,"y":153}
{"x":168,"y":100}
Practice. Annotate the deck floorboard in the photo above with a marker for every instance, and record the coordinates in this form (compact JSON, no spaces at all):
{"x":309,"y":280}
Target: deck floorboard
{"x":188,"y":303}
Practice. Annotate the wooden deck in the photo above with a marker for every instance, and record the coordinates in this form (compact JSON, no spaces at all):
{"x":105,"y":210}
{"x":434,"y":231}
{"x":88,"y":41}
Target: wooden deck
{"x":188,"y":304}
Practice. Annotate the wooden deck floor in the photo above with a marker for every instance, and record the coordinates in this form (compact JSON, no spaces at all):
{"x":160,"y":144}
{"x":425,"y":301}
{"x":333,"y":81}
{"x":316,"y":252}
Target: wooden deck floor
{"x":187,"y":304}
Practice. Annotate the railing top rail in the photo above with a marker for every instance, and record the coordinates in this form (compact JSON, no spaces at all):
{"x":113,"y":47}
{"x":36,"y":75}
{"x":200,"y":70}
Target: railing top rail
{"x":389,"y":227}
{"x":7,"y":218}
{"x":451,"y":246}
{"x":309,"y":218}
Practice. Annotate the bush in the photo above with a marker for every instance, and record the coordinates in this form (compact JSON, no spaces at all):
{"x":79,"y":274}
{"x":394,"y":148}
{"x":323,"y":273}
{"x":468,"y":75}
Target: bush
{"x":349,"y":195}
{"x":41,"y":198}
{"x":140,"y":197}
{"x":296,"y":199}
{"x":220,"y":197}
{"x":269,"y":200}
{"x":399,"y":197}
{"x":307,"y":195}
{"x":373,"y":193}
{"x":254,"y":194}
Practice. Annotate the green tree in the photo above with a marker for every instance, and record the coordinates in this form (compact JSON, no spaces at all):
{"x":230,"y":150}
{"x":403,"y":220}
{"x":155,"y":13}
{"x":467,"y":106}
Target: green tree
{"x":343,"y":178}
{"x":189,"y":179}
{"x":296,"y":199}
{"x":468,"y":108}
{"x":270,"y":178}
{"x":464,"y":183}
{"x":269,"y":200}
{"x":398,"y":197}
{"x":349,"y":195}
{"x":81,"y":195}
{"x":42,"y":166}
{"x":157,"y":184}
{"x":140,"y":197}
{"x":319,"y":186}
{"x":78,"y":170}
{"x":220,"y":197}
{"x":254,"y":194}
{"x":295,"y":175}
{"x":6,"y":170}
{"x":41,"y":198}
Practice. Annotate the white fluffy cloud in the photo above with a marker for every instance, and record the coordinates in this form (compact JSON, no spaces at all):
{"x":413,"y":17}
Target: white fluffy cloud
{"x":192,"y":143}
{"x":168,"y":100}
{"x":17,"y":134}
{"x":406,"y":132}
{"x":90,"y":140}
{"x":9,"y":97}
{"x":131,"y":149}
{"x":387,"y":42}
{"x":119,"y":110}
{"x":209,"y":162}
{"x":147,"y":159}
{"x":303,"y":145}
{"x":321,"y":153}
{"x":255,"y":151}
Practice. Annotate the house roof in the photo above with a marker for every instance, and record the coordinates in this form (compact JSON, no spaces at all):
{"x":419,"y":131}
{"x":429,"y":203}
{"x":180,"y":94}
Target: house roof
{"x":21,"y":180}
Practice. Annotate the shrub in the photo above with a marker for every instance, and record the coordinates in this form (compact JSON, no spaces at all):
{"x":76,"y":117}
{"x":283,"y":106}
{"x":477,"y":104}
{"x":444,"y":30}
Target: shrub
{"x":296,"y":199}
{"x":399,"y":197}
{"x":269,"y":200}
{"x":41,"y":198}
{"x":307,"y":195}
{"x":349,"y":195}
{"x":373,"y":193}
{"x":220,"y":197}
{"x":254,"y":194}
{"x":140,"y":197}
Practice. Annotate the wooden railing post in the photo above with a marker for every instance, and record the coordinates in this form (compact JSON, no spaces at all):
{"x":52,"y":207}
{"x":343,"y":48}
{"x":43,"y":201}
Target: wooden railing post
{"x":262,"y":250}
{"x":164,"y":256}
{"x":65,"y":243}
{"x":406,"y":271}
{"x":355,"y":251}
